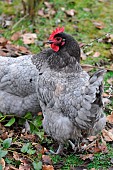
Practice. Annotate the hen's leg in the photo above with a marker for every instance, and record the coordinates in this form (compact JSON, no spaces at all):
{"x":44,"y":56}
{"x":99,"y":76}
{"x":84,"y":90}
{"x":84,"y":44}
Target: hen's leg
{"x":74,"y":147}
{"x":59,"y":150}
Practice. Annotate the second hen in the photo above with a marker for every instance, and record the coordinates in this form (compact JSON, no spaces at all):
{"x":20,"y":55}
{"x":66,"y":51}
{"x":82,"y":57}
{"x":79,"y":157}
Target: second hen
{"x":70,"y":99}
{"x":17,"y":85}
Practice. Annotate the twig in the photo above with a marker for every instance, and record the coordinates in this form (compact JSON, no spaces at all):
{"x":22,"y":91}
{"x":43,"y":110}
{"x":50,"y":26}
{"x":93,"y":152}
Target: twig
{"x":20,"y":21}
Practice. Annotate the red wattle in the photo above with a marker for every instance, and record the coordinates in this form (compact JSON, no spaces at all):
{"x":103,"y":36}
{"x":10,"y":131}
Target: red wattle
{"x":54,"y":47}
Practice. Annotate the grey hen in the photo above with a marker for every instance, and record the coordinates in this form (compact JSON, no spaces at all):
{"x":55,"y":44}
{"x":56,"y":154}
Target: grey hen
{"x":17,"y":85}
{"x":70,"y":99}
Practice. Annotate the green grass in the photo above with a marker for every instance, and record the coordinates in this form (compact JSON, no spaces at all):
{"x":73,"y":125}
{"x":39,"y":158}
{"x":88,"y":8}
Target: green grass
{"x":85,"y":31}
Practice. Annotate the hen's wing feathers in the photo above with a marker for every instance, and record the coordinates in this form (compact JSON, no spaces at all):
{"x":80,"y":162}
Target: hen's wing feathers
{"x":81,"y":105}
{"x":91,"y":104}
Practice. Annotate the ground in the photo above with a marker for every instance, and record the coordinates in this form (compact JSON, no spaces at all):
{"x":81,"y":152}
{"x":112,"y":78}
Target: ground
{"x":91,"y":24}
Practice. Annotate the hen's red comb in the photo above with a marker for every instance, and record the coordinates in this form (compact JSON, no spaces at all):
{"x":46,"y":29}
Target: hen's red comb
{"x":58,"y":30}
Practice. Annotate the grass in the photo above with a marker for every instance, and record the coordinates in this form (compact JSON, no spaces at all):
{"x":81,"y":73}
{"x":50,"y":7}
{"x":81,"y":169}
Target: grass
{"x":82,"y":28}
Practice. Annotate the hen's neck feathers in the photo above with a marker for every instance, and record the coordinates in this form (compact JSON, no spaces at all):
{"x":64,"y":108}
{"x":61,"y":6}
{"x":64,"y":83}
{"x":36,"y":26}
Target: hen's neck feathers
{"x":67,"y":59}
{"x":68,"y":56}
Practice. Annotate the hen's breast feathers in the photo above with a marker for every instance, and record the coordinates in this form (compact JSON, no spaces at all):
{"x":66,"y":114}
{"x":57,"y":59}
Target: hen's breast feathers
{"x":77,"y":95}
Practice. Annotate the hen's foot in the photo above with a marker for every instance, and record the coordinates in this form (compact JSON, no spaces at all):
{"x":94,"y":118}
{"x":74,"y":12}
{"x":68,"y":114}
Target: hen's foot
{"x":58,"y":152}
{"x":73,"y":145}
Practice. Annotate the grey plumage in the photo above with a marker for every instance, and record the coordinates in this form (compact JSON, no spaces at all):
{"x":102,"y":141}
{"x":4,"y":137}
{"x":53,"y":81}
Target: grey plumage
{"x":17,"y":85}
{"x":70,"y":99}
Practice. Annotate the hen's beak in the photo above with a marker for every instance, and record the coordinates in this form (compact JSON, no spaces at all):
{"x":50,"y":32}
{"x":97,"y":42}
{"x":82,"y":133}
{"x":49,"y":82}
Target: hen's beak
{"x":49,"y":42}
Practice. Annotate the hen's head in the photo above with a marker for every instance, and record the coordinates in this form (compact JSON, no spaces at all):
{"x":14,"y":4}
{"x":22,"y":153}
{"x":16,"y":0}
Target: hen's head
{"x":56,"y":40}
{"x":61,"y":41}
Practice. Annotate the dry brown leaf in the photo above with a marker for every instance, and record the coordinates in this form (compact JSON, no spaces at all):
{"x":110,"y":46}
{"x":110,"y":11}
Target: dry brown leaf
{"x":87,"y":9}
{"x":87,"y":67}
{"x":111,"y":67}
{"x":3,"y":41}
{"x":110,"y":81}
{"x":39,"y":113}
{"x":46,"y":160}
{"x":89,"y":52}
{"x":83,"y":55}
{"x":30,"y":137}
{"x":2,"y":53}
{"x":108,"y":136}
{"x":47,"y":167}
{"x":23,"y":50}
{"x":99,"y":24}
{"x":48,"y":5}
{"x":10,"y":167}
{"x":41,"y":12}
{"x":29,"y":38}
{"x":15,"y":36}
{"x":16,"y":156}
{"x":110,"y":118}
{"x":24,"y":167}
{"x":39,"y":148}
{"x":70,"y":12}
{"x":2,"y":162}
{"x":88,"y":156}
{"x":91,"y":138}
{"x":96,"y":54}
{"x":105,"y":95}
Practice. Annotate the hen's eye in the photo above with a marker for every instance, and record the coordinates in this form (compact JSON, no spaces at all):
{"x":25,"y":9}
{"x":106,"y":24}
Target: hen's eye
{"x":58,"y":38}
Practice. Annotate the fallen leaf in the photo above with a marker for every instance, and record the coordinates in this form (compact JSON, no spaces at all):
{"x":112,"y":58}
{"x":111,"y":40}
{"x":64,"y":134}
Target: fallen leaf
{"x":87,"y":9}
{"x":105,"y":95}
{"x":2,"y":162}
{"x":16,"y":36}
{"x":41,"y":12}
{"x":39,"y":113}
{"x":96,"y":54}
{"x":39,"y":148}
{"x":24,"y":167}
{"x":99,"y":24}
{"x":3,"y":41}
{"x":111,"y":67}
{"x":29,"y":38}
{"x":88,"y":156}
{"x":2,"y":53}
{"x":108,"y":136}
{"x":110,"y":118}
{"x":89,"y":52}
{"x":48,"y":4}
{"x":70,"y":12}
{"x":110,"y":81}
{"x":23,"y":50}
{"x":46,"y":160}
{"x":16,"y":156}
{"x":83,"y":55}
{"x":87,"y":67}
{"x":91,"y":138}
{"x":47,"y":167}
{"x":10,"y":167}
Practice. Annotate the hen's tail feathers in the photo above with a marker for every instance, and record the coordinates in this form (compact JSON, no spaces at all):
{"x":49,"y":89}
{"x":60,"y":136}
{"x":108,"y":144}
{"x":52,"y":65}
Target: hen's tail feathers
{"x":96,"y":80}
